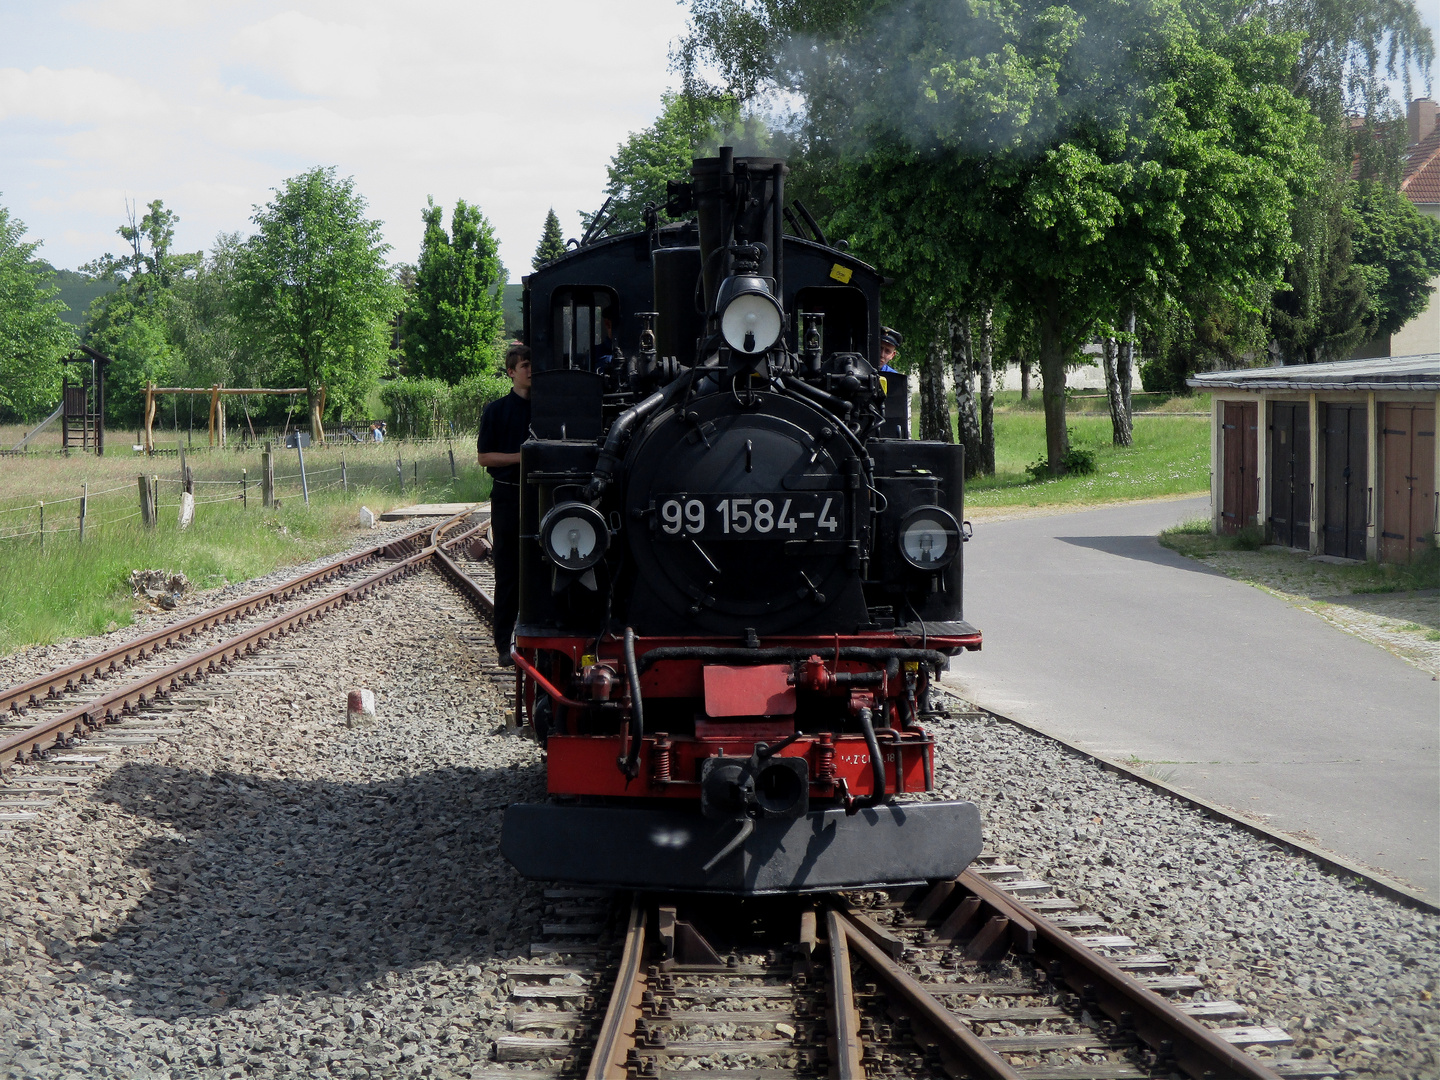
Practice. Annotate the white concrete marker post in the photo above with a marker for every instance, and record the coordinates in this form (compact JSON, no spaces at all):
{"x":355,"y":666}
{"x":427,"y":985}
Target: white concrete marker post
{"x":360,"y":709}
{"x":187,"y":509}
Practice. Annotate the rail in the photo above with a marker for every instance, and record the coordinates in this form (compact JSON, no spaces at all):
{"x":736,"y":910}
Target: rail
{"x":410,"y":551}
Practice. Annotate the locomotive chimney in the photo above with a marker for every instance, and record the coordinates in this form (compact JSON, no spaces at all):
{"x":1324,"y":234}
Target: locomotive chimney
{"x":738,"y":201}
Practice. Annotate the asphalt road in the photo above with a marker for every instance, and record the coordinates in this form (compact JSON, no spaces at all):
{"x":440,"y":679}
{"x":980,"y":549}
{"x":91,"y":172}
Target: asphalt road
{"x":1098,"y":635}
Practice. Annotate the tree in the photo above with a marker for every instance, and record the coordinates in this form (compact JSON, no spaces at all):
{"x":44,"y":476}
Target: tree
{"x":131,"y":324}
{"x":1397,"y":253}
{"x":552,"y":242}
{"x":313,"y":286}
{"x":1321,"y":313}
{"x":33,"y":336}
{"x":203,"y":327}
{"x":1057,"y":159}
{"x":455,"y":322}
{"x":688,"y":126}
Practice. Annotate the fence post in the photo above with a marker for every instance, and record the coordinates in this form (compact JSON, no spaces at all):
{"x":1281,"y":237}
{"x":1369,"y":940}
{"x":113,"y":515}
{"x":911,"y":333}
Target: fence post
{"x":244,"y":489}
{"x":304,"y":484}
{"x":416,"y":465}
{"x":181,"y":445}
{"x":189,"y":479}
{"x":147,"y":503}
{"x":42,"y":526}
{"x":344,"y":479}
{"x":399,"y":471}
{"x":84,"y":500}
{"x":267,"y":478}
{"x":452,"y":463}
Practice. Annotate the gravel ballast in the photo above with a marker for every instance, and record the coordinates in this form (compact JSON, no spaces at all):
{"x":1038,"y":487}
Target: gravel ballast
{"x":1351,"y":975}
{"x":276,"y":893}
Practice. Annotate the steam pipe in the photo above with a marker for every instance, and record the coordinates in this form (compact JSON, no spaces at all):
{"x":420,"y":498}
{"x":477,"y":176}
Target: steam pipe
{"x":612,"y":451}
{"x":877,"y":763}
{"x":630,"y":764}
{"x":724,"y":655}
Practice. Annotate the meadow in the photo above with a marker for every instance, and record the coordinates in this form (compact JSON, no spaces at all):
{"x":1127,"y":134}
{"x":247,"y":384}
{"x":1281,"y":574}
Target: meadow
{"x":55,"y":585}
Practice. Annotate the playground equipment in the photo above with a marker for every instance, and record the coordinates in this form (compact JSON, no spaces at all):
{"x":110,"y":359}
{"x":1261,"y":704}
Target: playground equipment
{"x":82,"y":404}
{"x":217,"y":394}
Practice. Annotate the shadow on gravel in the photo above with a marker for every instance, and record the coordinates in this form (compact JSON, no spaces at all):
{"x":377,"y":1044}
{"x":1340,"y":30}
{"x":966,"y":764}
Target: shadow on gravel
{"x":1141,"y":549}
{"x":269,"y":885}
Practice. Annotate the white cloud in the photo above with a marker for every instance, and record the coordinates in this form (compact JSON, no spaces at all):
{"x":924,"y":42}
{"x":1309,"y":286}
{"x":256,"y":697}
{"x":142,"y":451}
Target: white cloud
{"x":512,"y":106}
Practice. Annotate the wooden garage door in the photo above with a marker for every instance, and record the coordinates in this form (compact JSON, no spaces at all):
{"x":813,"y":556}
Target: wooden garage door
{"x":1407,"y":508}
{"x":1290,"y":474}
{"x":1344,"y":480}
{"x":1240,"y":499}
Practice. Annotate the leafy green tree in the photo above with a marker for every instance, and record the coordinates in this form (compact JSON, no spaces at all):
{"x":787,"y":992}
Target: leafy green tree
{"x":33,"y":336}
{"x":455,"y":322}
{"x":688,"y":126}
{"x":1397,"y":252}
{"x":203,"y":326}
{"x":131,"y":324}
{"x":312,"y":285}
{"x":552,"y":242}
{"x":1058,"y":160}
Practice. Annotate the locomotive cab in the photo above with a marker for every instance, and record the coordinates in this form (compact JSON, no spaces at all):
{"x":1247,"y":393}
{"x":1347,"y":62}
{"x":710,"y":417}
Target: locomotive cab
{"x":737,"y":586}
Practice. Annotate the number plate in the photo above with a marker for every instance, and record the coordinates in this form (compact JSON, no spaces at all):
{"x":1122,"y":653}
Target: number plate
{"x":795,"y":515}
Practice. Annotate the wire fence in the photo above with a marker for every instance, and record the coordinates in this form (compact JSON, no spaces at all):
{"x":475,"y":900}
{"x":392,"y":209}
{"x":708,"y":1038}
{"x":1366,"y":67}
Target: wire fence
{"x":102,"y":509}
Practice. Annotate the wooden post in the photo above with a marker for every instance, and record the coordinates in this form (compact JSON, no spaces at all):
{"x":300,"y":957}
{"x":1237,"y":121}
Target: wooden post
{"x":304,"y":484}
{"x":181,"y":445}
{"x":399,"y":471}
{"x":147,"y":503}
{"x":84,"y":499}
{"x":244,"y":492}
{"x":267,"y":478}
{"x":148,"y":442}
{"x":222,"y":423}
{"x":214,"y":408}
{"x":344,"y":478}
{"x":452,"y":463}
{"x":42,"y":526}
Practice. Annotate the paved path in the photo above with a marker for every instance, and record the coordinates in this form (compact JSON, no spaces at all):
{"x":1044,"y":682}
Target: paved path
{"x":1098,"y":635}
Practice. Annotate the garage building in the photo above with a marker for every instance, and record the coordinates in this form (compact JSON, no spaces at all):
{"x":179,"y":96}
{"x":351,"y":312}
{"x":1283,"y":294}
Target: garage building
{"x":1336,"y":459}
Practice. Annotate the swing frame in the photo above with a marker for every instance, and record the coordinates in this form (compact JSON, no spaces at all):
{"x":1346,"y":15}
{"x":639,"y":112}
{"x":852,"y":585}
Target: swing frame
{"x":217,"y":395}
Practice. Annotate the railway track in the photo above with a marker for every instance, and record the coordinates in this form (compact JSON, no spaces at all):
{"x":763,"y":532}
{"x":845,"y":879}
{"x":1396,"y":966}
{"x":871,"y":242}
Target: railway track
{"x":977,"y":977}
{"x":67,"y":716}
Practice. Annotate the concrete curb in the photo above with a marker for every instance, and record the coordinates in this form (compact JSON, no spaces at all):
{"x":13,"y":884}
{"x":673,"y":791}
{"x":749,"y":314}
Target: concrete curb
{"x":1336,"y":864}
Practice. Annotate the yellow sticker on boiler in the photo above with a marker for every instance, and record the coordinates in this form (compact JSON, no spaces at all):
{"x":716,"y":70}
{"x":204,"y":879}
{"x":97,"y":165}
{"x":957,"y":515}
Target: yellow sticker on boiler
{"x":841,"y":273}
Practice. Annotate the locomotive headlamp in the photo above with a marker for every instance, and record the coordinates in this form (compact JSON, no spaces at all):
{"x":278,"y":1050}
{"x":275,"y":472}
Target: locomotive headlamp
{"x":750,"y":318}
{"x":574,"y":536}
{"x":929,"y":538}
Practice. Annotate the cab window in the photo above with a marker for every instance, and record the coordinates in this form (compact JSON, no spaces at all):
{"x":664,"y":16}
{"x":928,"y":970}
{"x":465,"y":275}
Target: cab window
{"x":583,"y":326}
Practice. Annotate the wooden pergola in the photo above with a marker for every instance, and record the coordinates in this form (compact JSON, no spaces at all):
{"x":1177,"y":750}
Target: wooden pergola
{"x":217,"y":396}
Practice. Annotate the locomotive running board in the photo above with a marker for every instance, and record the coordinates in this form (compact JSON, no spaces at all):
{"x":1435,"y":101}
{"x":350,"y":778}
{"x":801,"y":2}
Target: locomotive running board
{"x":896,"y":844}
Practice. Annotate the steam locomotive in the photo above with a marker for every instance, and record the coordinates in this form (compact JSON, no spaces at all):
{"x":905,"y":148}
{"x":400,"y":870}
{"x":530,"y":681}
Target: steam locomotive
{"x":739,"y":577}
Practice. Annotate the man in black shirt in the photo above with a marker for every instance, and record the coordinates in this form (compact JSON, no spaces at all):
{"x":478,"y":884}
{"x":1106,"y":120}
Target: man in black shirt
{"x":504,"y":425}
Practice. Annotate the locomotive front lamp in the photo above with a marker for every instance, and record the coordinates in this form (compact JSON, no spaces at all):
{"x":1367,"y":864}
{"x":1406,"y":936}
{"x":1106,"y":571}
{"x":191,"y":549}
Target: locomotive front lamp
{"x":929,"y":538}
{"x":750,"y":318}
{"x":574,"y":536}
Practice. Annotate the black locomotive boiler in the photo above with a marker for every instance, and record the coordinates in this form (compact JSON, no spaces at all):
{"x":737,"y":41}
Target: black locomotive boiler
{"x":740,"y":578}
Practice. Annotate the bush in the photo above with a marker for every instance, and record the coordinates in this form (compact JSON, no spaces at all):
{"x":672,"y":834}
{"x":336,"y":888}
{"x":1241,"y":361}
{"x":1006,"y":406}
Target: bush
{"x":430,"y":408}
{"x":1077,"y":462}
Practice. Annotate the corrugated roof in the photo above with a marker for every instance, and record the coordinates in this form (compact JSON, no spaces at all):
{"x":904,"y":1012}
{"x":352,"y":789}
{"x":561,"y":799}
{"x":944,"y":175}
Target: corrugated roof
{"x":1421,"y":182}
{"x":1381,"y":373}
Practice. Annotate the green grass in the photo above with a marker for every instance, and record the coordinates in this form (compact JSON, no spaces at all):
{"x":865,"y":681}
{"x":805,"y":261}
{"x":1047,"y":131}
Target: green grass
{"x":1195,"y":539}
{"x":70,"y":588}
{"x":1170,"y":456}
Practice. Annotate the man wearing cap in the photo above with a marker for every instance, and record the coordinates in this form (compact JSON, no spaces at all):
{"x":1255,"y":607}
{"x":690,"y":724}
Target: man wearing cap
{"x":504,"y":426}
{"x":897,"y":388}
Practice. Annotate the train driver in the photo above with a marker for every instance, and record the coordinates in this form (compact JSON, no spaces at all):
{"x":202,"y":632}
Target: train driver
{"x":504,"y":425}
{"x":890,"y":342}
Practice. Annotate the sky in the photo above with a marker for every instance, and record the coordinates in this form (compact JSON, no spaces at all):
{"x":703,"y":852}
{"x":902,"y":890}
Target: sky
{"x":211,"y":104}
